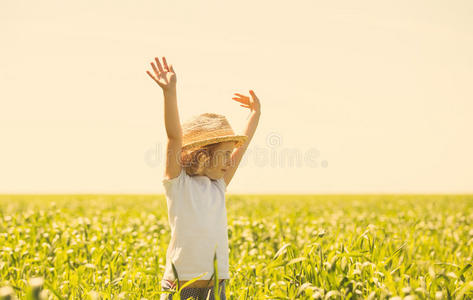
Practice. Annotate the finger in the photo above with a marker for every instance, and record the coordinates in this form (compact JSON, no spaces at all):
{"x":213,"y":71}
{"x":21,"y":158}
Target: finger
{"x":172,"y":69}
{"x":253,"y":94}
{"x":154,"y":78}
{"x":151,"y":75}
{"x":165,"y":64}
{"x":155,"y":69}
{"x":246,"y":106}
{"x":240,"y":100}
{"x":159,"y":64}
{"x":241,"y":95}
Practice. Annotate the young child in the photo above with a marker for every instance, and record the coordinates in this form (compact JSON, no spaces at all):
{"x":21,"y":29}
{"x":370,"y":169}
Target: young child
{"x":201,"y":159}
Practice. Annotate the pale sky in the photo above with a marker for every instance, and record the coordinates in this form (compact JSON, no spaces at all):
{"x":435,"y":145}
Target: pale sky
{"x":380,"y":90}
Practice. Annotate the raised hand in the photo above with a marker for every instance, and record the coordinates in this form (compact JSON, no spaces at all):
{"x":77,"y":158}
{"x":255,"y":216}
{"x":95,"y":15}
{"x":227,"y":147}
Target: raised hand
{"x":165,"y":78}
{"x":252,"y":103}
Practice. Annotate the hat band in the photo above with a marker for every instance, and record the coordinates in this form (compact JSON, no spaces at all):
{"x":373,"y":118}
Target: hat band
{"x":204,"y":135}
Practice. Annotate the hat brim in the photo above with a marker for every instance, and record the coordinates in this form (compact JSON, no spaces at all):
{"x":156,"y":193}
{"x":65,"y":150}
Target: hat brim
{"x":239,"y":139}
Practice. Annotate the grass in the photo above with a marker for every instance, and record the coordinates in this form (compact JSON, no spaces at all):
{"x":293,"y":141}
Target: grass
{"x":281,"y":246}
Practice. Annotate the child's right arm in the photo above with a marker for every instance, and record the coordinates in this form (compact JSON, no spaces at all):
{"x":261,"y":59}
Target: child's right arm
{"x":166,"y":79}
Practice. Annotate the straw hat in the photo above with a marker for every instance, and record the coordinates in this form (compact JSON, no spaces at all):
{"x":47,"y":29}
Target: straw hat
{"x":208,"y":128}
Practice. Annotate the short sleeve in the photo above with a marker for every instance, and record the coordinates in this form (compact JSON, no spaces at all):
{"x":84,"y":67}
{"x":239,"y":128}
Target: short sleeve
{"x":168,"y":182}
{"x":222,"y":183}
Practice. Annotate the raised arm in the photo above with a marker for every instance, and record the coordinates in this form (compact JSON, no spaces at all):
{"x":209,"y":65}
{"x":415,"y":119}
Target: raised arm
{"x":166,"y":79}
{"x":255,"y":107}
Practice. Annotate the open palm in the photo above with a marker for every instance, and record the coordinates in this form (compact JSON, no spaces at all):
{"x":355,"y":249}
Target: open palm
{"x":164,"y":77}
{"x":252,"y":103}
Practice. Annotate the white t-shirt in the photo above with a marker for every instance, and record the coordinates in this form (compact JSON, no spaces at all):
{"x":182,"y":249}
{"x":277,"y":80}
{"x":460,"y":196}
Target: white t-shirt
{"x":198,"y":220}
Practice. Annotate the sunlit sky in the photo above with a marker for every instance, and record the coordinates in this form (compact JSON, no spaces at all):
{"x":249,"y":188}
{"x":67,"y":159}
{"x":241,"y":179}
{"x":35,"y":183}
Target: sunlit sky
{"x":374,"y":96}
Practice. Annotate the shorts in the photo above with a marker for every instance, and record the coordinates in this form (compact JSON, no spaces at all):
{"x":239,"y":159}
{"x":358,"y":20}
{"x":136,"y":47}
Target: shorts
{"x":197,"y":293}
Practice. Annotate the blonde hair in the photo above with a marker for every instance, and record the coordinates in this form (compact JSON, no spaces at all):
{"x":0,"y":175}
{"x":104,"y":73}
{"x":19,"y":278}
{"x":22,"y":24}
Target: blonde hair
{"x":189,"y":158}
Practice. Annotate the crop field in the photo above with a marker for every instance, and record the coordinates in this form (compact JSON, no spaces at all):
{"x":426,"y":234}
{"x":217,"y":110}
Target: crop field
{"x":281,"y":246}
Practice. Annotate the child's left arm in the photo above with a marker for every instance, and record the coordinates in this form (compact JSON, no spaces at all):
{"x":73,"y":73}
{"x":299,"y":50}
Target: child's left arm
{"x":255,"y":107}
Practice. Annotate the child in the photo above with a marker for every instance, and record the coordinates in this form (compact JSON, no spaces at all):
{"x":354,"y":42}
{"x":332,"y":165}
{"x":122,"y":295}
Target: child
{"x":202,"y":157}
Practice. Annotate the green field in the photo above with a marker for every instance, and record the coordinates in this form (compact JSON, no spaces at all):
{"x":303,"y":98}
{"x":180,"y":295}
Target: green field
{"x":281,"y":247}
